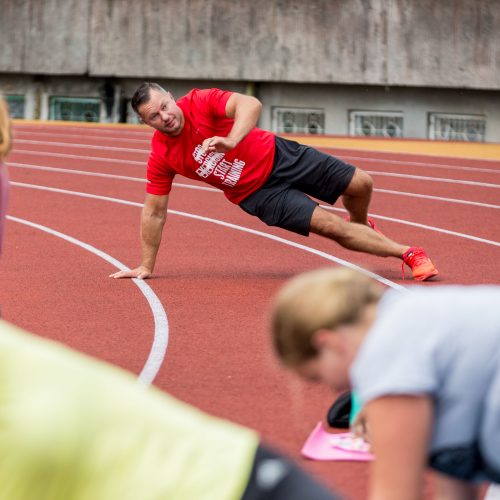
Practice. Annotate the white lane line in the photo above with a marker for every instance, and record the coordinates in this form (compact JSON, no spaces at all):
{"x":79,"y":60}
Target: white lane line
{"x":423,"y":226}
{"x":147,"y":135}
{"x":62,"y":129}
{"x":437,"y":198}
{"x":373,"y":160}
{"x":225,"y":224}
{"x":433,"y":179}
{"x":84,"y":146}
{"x":327,"y":207}
{"x":77,"y":157}
{"x":109,"y":176}
{"x":160,"y":340}
{"x":76,"y":172}
{"x":422,"y":164}
{"x":407,"y":153}
{"x":146,"y":151}
{"x":203,"y":188}
{"x":32,"y":133}
{"x":382,"y":217}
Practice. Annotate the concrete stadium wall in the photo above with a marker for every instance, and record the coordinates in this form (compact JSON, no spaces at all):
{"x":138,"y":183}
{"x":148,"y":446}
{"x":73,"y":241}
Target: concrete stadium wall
{"x":375,"y":42}
{"x":44,"y":36}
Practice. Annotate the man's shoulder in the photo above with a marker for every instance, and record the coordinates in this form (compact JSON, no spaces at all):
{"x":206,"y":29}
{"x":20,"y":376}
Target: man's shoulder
{"x":160,"y":148}
{"x":204,"y":96}
{"x":192,"y":96}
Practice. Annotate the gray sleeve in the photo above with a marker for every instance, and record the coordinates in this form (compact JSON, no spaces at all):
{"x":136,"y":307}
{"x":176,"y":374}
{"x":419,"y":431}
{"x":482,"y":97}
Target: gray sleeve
{"x":396,"y":357}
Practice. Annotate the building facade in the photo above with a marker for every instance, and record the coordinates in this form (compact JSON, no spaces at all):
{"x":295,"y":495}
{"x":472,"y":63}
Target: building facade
{"x":396,"y":68}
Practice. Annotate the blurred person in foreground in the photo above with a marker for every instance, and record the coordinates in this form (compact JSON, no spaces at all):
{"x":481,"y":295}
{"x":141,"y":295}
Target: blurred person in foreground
{"x":5,"y":145}
{"x":74,"y":428}
{"x":210,"y":135}
{"x":429,"y":384}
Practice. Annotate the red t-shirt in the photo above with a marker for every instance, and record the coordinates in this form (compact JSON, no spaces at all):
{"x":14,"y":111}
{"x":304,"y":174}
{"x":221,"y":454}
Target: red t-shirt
{"x":238,"y":172}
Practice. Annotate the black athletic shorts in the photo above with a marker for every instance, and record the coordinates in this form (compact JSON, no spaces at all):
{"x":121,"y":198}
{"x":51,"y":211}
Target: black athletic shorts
{"x":274,"y":477}
{"x":298,"y":171}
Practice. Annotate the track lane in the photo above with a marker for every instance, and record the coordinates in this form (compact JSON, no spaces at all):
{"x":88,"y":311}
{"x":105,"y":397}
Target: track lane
{"x":221,"y":360}
{"x":55,"y":290}
{"x":463,"y":219}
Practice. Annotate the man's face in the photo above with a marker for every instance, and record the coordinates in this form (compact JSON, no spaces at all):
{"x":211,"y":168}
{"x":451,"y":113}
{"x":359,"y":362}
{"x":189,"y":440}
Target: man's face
{"x":330,"y":366}
{"x":161,"y":113}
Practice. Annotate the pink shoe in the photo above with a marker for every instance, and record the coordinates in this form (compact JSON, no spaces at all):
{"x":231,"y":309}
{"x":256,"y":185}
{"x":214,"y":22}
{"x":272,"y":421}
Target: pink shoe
{"x":421,"y":266}
{"x":372,"y":224}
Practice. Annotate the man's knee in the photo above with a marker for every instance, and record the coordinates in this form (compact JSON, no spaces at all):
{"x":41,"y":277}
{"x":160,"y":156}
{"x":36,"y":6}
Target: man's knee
{"x":328,"y":224}
{"x":361,"y":184}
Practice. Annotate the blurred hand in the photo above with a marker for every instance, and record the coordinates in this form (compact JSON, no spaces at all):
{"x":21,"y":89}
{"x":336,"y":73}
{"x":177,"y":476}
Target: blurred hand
{"x":139,"y":272}
{"x":359,"y":427}
{"x":218,"y":144}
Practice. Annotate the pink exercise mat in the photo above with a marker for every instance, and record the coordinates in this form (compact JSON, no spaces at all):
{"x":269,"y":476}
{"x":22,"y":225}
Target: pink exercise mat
{"x":322,"y":445}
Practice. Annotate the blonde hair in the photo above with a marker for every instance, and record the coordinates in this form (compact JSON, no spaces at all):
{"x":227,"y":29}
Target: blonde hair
{"x":5,"y":129}
{"x":323,"y":299}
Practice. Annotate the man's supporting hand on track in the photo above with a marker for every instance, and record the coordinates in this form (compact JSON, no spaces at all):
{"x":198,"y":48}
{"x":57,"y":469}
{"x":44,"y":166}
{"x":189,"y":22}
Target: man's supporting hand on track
{"x":140,"y":273}
{"x":153,"y":217}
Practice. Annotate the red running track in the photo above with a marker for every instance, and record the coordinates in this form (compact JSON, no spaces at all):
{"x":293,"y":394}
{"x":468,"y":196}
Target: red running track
{"x":215,"y":282}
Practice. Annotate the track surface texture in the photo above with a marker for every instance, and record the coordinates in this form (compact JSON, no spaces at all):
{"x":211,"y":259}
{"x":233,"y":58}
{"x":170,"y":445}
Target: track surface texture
{"x":215,"y":281}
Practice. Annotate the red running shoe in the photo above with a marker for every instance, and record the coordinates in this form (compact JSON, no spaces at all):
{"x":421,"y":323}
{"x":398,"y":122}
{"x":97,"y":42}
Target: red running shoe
{"x":421,"y":266}
{"x":372,"y":224}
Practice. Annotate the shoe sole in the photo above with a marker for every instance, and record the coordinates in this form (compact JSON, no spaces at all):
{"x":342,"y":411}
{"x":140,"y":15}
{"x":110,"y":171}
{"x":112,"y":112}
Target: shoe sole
{"x":426,"y":276}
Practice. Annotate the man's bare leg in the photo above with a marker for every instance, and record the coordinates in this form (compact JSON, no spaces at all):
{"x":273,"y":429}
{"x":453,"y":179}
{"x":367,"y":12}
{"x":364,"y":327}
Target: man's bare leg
{"x":361,"y":235}
{"x":356,"y":198}
{"x":357,"y":237}
{"x":448,"y":488}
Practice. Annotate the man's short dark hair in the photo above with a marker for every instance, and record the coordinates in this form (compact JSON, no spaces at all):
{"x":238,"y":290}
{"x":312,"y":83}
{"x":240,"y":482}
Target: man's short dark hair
{"x":143,"y":94}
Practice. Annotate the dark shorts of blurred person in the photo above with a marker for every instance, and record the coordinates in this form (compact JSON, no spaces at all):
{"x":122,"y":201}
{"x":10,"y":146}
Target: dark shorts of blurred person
{"x":274,"y":477}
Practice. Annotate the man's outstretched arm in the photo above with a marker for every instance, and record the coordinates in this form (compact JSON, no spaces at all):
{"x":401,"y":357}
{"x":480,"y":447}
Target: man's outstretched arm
{"x":246,"y":111}
{"x":153,"y":217}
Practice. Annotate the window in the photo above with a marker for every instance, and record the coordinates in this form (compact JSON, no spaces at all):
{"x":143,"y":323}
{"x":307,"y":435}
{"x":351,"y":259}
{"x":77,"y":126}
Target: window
{"x":130,"y":116}
{"x":454,"y":127}
{"x":16,"y":105}
{"x":298,"y":120}
{"x":79,"y":109}
{"x":376,"y":123}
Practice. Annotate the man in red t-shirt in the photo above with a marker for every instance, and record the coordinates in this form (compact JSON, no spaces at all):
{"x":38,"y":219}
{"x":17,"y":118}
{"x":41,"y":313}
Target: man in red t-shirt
{"x":211,"y":135}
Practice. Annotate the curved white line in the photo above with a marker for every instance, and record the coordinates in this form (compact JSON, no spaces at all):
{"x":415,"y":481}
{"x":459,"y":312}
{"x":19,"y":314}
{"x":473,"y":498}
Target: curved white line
{"x":327,"y":207}
{"x":225,"y":224}
{"x":214,"y":190}
{"x":325,"y":255}
{"x":160,"y":340}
